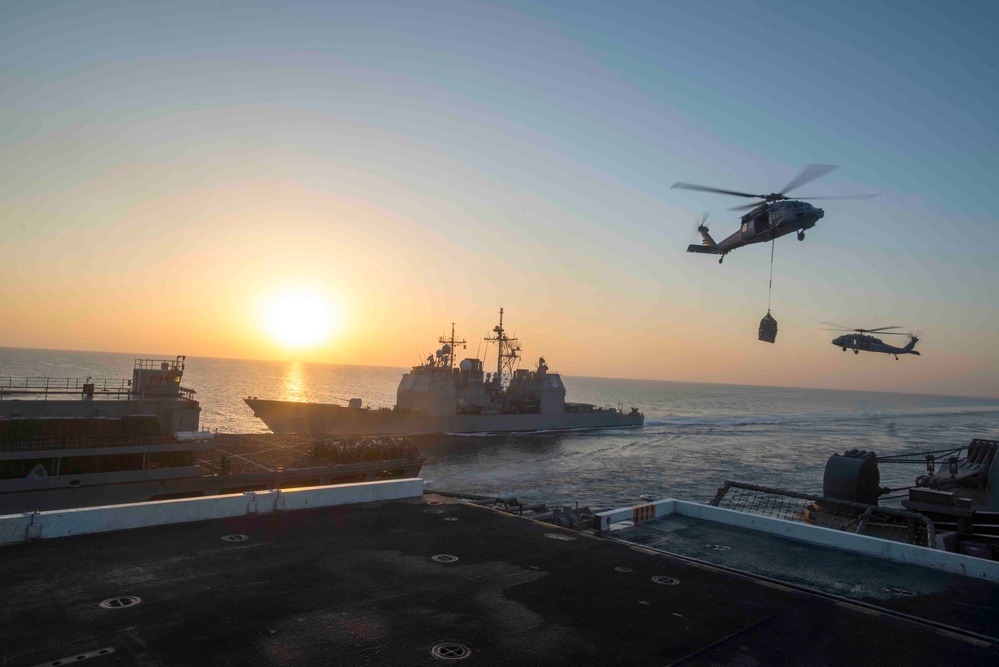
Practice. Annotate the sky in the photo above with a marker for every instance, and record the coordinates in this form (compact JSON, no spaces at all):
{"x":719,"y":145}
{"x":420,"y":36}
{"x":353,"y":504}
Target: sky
{"x":180,"y":177}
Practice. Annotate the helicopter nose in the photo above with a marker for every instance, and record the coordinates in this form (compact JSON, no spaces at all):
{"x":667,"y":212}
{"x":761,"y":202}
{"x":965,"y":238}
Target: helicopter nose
{"x":819,"y":213}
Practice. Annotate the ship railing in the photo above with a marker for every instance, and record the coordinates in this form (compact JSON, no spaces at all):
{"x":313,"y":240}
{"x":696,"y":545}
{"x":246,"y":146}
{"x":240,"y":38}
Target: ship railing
{"x":43,"y":387}
{"x":160,"y":364}
{"x":87,"y":442}
{"x":787,"y":505}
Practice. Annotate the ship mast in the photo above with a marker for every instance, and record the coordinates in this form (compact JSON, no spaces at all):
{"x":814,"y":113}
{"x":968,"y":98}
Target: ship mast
{"x":451,"y":342}
{"x":509,"y":349}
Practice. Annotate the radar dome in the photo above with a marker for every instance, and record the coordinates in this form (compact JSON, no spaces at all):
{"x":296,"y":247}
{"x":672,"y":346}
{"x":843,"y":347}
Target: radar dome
{"x":446,"y":349}
{"x":465,"y":365}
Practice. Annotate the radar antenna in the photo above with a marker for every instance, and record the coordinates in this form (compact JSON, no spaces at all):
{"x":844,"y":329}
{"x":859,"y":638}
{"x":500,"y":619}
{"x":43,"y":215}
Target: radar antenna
{"x":450,"y":347}
{"x":508,"y":355}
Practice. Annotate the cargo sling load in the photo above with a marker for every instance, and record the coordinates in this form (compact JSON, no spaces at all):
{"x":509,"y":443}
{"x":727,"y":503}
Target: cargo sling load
{"x":438,"y":397}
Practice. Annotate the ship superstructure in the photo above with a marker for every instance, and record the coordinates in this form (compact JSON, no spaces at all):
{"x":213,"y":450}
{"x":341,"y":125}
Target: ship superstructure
{"x":80,"y":442}
{"x":154,"y":391}
{"x":438,"y":397}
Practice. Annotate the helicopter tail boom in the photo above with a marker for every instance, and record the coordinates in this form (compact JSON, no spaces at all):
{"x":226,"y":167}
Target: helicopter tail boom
{"x":707,"y":244}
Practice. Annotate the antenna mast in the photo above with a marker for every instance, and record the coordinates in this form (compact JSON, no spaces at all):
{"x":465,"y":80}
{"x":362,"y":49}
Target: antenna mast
{"x":451,"y":342}
{"x":509,"y":351}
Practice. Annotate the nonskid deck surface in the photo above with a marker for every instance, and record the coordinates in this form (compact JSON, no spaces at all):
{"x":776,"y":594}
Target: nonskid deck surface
{"x":361,"y":586}
{"x":938,"y":597}
{"x":268,"y":452}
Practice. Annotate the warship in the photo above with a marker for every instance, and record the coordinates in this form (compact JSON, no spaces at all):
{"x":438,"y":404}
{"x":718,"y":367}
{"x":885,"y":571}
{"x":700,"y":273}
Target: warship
{"x":71,"y":442}
{"x":438,"y":397}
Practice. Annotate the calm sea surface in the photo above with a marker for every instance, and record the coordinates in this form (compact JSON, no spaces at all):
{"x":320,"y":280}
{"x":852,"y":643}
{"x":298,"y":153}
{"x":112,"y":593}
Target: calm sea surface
{"x":696,"y":436}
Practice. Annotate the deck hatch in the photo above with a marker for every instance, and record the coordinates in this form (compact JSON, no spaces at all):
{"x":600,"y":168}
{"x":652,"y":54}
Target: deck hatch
{"x":451,"y":651}
{"x":120,"y":602}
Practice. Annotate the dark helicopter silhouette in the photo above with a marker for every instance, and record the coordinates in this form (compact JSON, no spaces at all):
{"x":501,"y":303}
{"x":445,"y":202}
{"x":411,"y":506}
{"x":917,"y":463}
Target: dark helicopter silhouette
{"x":861,"y":340}
{"x":769,"y":219}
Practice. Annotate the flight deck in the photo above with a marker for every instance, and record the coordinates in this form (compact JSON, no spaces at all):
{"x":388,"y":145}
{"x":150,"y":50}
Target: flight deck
{"x":426,"y":580}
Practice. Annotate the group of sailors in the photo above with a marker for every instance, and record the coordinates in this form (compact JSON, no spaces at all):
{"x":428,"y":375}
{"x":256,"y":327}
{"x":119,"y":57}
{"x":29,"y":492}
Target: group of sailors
{"x":343,"y":450}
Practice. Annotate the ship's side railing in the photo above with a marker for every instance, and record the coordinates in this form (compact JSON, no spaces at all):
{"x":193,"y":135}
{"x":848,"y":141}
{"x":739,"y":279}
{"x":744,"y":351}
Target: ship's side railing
{"x":90,"y":442}
{"x":785,"y":504}
{"x":43,"y":387}
{"x":160,"y":364}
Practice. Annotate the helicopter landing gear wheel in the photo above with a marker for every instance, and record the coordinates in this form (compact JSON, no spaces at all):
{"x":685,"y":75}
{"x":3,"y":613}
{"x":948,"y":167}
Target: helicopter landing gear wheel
{"x":844,"y":349}
{"x":721,"y":259}
{"x":801,"y":236}
{"x":856,"y":351}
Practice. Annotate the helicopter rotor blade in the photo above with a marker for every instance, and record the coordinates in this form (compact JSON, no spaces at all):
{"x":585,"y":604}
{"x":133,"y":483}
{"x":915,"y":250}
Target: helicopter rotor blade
{"x":840,"y":327}
{"x":704,"y":188}
{"x":807,"y":175}
{"x":746,"y":207}
{"x":867,"y":196}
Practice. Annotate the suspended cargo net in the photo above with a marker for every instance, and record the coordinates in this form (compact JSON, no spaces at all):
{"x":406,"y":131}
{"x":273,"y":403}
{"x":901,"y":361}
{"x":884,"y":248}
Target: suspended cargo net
{"x":768,"y":325}
{"x":768,"y":328}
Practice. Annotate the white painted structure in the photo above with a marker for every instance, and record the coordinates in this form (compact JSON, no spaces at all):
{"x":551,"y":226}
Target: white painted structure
{"x":835,"y":539}
{"x":16,"y":528}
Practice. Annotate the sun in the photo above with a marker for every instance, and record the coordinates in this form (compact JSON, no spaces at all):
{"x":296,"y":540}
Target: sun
{"x":301,"y":320}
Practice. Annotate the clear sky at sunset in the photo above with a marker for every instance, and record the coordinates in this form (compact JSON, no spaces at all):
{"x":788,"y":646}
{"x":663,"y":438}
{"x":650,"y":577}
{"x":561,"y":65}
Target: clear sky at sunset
{"x":183,"y":177}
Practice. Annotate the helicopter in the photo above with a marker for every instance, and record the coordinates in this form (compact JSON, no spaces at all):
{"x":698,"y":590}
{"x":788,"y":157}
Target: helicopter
{"x":773,"y":217}
{"x":861,"y":340}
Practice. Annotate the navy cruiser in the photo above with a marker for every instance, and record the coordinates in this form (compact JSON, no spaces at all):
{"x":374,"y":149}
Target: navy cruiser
{"x":440,"y":397}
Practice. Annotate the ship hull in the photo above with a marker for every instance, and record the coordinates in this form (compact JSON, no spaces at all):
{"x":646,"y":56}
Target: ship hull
{"x":292,"y":417}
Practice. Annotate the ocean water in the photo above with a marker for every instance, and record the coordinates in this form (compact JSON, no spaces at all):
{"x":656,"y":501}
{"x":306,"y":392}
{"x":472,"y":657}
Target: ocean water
{"x":695,"y":437}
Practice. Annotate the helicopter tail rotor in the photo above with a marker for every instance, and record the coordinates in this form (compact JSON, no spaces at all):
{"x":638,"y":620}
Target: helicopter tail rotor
{"x":707,"y":243}
{"x":702,"y":225}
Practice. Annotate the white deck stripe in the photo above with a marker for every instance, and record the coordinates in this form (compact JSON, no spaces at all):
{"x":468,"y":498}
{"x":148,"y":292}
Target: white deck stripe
{"x":16,"y":528}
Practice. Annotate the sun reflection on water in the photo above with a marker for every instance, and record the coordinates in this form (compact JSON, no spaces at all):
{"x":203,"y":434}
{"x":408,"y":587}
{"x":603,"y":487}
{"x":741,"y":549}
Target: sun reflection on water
{"x":293,"y":385}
